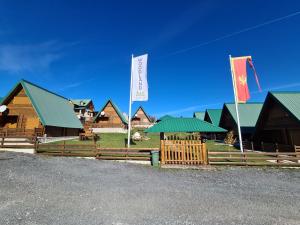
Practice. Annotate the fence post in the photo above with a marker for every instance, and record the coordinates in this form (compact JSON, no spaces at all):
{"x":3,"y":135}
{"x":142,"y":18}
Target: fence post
{"x":162,"y":152}
{"x":205,"y":154}
{"x":2,"y":142}
{"x":184,"y":144}
{"x":262,"y":146}
{"x":277,"y":150}
{"x":245,"y":158}
{"x":96,"y":151}
{"x":64,"y":147}
{"x":252,"y":147}
{"x":36,"y":146}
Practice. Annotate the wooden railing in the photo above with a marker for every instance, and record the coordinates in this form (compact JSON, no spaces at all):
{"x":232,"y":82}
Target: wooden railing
{"x":286,"y":159}
{"x":64,"y":149}
{"x":185,"y":152}
{"x":92,"y":150}
{"x":16,"y":132}
{"x":23,"y":143}
{"x":125,"y":153}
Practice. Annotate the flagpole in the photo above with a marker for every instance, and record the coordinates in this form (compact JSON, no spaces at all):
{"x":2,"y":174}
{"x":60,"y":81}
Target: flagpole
{"x":130,"y":103}
{"x":236,"y":106}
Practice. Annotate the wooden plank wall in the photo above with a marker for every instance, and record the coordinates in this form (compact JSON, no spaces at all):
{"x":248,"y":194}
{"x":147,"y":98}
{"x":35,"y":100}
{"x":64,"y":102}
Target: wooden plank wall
{"x":111,"y":118}
{"x":21,"y":112}
{"x":140,"y":120}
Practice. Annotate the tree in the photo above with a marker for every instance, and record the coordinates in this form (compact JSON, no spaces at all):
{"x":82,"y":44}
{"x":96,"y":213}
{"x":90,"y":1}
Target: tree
{"x":230,"y":139}
{"x":152,"y":119}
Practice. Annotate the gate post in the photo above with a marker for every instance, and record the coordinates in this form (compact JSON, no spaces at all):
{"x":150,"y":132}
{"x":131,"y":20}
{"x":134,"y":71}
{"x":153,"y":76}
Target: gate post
{"x":162,"y":148}
{"x":204,"y":154}
{"x":162,"y":152}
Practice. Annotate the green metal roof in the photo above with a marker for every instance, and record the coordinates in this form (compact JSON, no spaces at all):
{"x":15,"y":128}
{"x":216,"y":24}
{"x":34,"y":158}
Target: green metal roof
{"x":248,"y":113}
{"x":290,"y":100}
{"x":52,"y":109}
{"x":81,"y":102}
{"x":124,"y":120}
{"x":214,"y":115}
{"x":199,"y":115}
{"x":165,"y":117}
{"x":184,"y":125}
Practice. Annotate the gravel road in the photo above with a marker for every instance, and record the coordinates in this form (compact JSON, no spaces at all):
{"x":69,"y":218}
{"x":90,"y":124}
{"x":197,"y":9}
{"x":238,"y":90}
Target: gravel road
{"x":62,"y":191}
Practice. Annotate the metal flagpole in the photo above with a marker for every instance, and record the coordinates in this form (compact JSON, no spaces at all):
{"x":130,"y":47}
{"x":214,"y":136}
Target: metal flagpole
{"x":236,"y":105}
{"x":130,"y":103}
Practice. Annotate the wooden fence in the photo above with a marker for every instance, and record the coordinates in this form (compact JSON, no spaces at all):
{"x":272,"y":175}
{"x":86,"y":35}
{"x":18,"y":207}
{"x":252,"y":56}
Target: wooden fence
{"x":125,"y":153}
{"x":63,"y":149}
{"x":185,"y":152}
{"x":17,"y":143}
{"x":16,"y":132}
{"x":284,"y":159}
{"x":92,"y":150}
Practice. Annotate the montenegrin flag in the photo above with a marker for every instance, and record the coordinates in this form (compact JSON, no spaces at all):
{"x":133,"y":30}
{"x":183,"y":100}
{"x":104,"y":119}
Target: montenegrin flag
{"x":239,"y":71}
{"x":139,"y":83}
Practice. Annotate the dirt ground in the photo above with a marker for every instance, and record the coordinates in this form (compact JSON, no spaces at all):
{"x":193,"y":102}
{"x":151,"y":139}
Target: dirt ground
{"x":37,"y":190}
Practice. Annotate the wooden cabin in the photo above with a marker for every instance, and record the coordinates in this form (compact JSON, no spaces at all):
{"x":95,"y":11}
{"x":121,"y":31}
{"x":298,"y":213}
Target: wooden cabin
{"x":110,"y":119}
{"x":30,"y":110}
{"x":140,"y":119}
{"x":213,"y":116}
{"x":165,"y":117}
{"x":199,"y":115}
{"x":84,"y":109}
{"x":248,"y":113}
{"x":279,"y":120}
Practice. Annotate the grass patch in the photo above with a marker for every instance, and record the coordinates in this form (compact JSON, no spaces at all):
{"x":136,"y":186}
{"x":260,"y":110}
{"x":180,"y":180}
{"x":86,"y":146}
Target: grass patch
{"x":215,"y":146}
{"x":117,"y":140}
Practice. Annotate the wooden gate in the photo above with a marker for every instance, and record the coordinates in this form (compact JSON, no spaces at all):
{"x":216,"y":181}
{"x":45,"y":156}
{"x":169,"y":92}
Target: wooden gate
{"x":184,"y":152}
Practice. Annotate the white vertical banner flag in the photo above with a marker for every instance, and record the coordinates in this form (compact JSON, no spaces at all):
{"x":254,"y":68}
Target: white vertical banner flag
{"x":139,"y":89}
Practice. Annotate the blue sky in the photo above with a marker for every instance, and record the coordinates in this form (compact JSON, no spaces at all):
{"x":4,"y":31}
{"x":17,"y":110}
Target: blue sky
{"x":82,"y":49}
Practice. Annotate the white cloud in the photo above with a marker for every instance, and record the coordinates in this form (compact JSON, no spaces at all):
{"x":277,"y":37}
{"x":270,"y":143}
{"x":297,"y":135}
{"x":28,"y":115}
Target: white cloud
{"x":75,"y":84}
{"x":16,"y":58}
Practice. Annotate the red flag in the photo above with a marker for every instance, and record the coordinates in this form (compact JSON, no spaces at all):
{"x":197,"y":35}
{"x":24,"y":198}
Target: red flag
{"x":239,"y":71}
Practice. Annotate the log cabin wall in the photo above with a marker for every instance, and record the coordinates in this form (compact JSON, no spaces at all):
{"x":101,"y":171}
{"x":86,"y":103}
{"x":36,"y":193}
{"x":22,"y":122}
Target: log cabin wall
{"x":61,"y":131}
{"x":227,"y":122}
{"x":278,"y":126}
{"x":140,"y":119}
{"x":20,"y":113}
{"x":111,"y":119}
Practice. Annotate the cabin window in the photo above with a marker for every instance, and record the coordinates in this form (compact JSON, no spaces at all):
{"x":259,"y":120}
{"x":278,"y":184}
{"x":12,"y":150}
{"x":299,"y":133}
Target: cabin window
{"x":11,"y":122}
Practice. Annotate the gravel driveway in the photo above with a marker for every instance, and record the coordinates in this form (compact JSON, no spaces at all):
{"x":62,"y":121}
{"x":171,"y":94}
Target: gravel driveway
{"x":44,"y":190}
